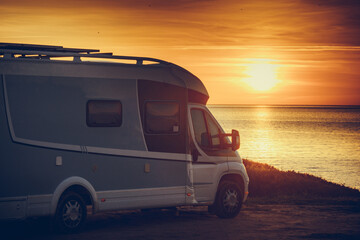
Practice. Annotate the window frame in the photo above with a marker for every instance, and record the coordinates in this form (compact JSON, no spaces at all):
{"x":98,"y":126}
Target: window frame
{"x":211,"y":147}
{"x":208,"y":117}
{"x":106,"y":125}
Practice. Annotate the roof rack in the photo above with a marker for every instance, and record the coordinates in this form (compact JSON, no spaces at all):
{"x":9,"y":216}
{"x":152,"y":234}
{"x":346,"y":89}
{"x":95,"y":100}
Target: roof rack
{"x":33,"y":51}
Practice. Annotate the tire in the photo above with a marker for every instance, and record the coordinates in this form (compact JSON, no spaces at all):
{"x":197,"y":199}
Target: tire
{"x":228,"y":200}
{"x":71,"y":213}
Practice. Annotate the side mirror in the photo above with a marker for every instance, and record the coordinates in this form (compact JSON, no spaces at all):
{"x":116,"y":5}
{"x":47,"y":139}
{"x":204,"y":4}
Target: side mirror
{"x":235,"y":140}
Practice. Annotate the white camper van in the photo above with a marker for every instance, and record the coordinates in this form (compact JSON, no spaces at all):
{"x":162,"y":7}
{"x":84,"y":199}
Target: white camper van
{"x":81,"y":129}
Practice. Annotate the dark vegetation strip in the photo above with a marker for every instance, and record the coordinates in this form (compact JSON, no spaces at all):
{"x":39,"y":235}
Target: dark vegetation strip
{"x":269,"y":182}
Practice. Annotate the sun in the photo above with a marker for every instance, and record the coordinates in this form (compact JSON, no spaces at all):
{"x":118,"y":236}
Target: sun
{"x":262,"y":75}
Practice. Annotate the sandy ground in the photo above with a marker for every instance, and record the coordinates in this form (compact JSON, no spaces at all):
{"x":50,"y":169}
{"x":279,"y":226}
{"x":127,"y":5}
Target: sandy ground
{"x":256,"y":221}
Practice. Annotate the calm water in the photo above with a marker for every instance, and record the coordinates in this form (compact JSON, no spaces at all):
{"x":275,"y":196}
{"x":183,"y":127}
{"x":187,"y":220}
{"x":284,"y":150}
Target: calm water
{"x":320,"y":140}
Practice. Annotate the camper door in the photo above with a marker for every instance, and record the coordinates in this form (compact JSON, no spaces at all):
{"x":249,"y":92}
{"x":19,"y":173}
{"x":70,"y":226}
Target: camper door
{"x":209,"y":152}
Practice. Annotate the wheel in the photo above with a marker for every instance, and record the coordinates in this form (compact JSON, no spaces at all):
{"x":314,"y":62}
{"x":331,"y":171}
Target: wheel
{"x":228,"y":200}
{"x":71,"y":213}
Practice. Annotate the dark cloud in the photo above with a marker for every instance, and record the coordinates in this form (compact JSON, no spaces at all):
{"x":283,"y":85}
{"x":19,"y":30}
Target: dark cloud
{"x":333,"y":3}
{"x":219,"y":22}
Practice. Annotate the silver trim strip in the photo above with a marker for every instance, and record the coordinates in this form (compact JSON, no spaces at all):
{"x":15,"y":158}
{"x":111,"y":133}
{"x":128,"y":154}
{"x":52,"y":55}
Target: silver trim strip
{"x":141,"y":192}
{"x":142,"y":154}
{"x":8,"y":109}
{"x":139,"y":115}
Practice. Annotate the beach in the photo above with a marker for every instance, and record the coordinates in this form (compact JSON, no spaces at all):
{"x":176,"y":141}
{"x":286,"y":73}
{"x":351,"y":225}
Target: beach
{"x":257,"y":220}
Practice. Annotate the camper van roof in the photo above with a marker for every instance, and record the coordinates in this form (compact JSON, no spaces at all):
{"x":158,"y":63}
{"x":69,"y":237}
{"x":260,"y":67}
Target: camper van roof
{"x":20,"y":51}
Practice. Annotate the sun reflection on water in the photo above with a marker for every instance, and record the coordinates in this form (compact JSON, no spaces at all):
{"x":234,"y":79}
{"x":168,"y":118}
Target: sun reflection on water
{"x":323,"y":142}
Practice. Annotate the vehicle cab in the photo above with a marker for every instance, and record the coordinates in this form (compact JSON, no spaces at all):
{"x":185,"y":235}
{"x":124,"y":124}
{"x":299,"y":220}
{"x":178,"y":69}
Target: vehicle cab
{"x":220,"y":178}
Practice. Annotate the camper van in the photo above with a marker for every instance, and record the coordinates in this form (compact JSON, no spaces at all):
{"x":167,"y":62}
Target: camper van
{"x":84,"y":130}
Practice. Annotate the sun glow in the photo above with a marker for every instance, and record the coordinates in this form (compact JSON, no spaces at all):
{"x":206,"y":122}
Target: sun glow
{"x":262,"y":75}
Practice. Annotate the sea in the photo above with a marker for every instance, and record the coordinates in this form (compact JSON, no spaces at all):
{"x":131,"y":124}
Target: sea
{"x":320,"y":140}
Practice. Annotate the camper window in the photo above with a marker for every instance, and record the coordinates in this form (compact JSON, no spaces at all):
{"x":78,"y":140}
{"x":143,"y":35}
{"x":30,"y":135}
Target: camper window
{"x":162,"y":117}
{"x":104,"y":113}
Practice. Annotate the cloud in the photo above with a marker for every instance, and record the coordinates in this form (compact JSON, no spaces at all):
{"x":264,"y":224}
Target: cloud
{"x":113,"y":4}
{"x":209,"y":22}
{"x":313,"y":41}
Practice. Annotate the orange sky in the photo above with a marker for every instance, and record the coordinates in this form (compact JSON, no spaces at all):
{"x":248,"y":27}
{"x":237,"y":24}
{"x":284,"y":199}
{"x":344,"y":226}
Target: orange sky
{"x":246,"y":52}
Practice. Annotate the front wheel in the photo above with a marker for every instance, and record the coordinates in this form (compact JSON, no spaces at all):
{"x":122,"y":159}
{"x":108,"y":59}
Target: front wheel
{"x":228,"y":200}
{"x":71,"y":213}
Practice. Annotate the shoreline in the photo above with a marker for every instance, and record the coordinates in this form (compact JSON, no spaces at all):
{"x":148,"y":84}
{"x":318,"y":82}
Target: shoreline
{"x":269,"y":182}
{"x":216,"y":105}
{"x":319,"y":140}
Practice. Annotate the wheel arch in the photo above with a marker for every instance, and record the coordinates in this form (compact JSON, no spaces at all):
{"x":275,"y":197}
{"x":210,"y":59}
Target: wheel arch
{"x":78,"y":185}
{"x":234,"y":177}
